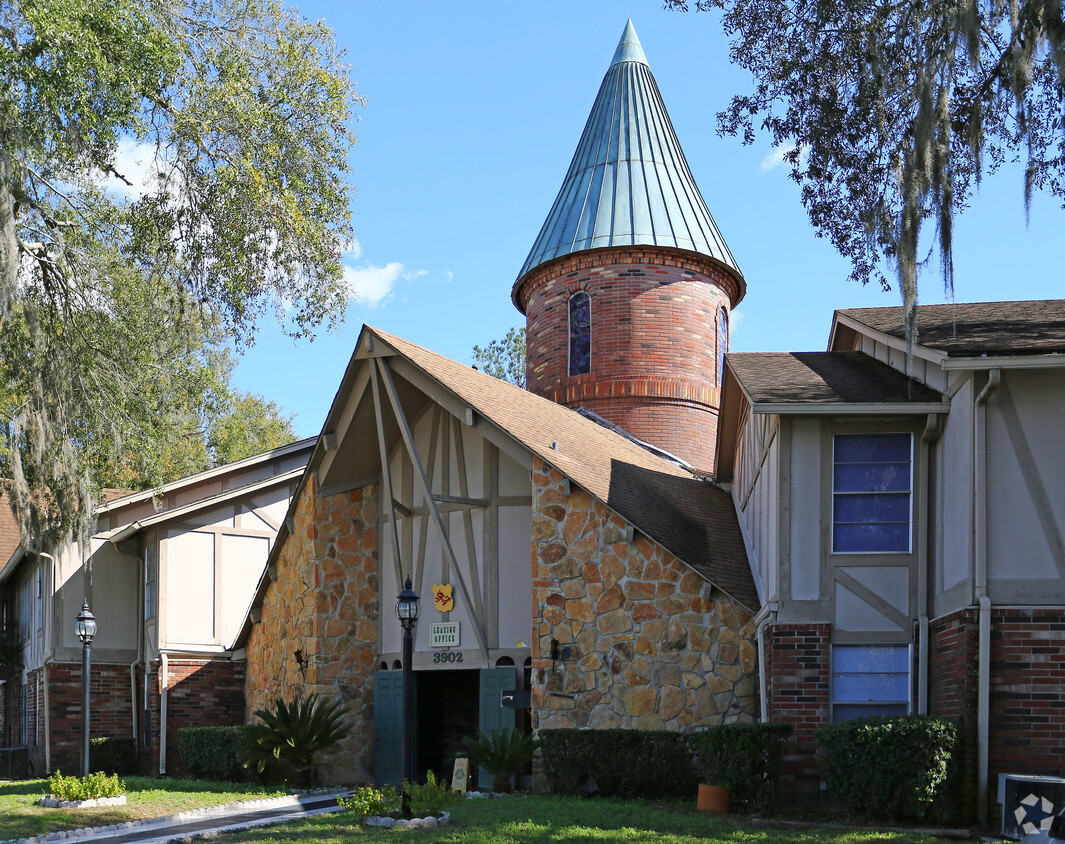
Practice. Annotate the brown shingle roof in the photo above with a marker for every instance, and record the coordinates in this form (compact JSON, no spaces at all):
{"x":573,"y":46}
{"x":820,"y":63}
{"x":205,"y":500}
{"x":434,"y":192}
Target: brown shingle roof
{"x":977,"y":328}
{"x":825,"y":378}
{"x":692,"y":518}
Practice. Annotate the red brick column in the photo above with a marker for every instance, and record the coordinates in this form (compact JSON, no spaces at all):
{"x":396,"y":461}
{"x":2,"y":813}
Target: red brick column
{"x":952,"y":656}
{"x":798,"y":693}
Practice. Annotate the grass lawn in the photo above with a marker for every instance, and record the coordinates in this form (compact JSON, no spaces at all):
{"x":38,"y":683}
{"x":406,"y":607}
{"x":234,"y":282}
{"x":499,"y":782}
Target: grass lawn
{"x":558,"y":820}
{"x":20,"y":817}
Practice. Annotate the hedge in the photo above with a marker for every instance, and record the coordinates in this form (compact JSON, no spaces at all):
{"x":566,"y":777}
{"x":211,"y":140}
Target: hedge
{"x":893,"y":768}
{"x":620,"y":763}
{"x":113,"y":755}
{"x":211,"y":752}
{"x":746,"y":757}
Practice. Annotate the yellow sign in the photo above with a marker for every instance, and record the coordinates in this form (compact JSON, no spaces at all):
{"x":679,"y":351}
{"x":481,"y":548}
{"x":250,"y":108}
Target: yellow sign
{"x":442,"y":599}
{"x":462,"y":772}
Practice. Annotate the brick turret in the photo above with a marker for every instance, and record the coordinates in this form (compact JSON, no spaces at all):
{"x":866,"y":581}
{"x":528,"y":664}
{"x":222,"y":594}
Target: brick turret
{"x":629,"y":287}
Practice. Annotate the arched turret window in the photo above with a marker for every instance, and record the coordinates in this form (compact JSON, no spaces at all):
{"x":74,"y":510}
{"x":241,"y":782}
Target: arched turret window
{"x":722,"y":343}
{"x":580,"y":333}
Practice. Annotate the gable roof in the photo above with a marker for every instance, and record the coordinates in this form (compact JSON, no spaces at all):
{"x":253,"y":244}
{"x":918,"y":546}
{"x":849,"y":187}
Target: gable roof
{"x":975,"y":328}
{"x":629,"y":183}
{"x":793,"y":382}
{"x":690,"y":517}
{"x":693,"y":519}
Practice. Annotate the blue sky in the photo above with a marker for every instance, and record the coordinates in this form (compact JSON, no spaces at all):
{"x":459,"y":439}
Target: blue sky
{"x":474,"y":111}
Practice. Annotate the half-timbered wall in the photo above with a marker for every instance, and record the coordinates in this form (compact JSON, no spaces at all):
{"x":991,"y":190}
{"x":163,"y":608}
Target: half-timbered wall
{"x":484,"y":501}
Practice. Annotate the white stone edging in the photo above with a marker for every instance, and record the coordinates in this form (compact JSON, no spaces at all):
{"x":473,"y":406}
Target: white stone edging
{"x":386,"y":822}
{"x":50,"y":801}
{"x":164,"y":820}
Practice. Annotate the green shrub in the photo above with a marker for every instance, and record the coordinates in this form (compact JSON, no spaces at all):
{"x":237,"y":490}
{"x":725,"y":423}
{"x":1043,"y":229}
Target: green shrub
{"x":888,"y":767}
{"x":503,"y":754}
{"x":745,"y":757}
{"x":431,"y":797}
{"x":212,"y":753}
{"x":622,"y":763}
{"x":114,"y":755}
{"x":368,"y":801}
{"x":291,"y":733}
{"x":85,"y":788}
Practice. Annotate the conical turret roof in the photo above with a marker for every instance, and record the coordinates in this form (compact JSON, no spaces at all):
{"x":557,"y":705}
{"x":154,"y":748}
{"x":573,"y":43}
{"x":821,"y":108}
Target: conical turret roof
{"x":629,"y":183}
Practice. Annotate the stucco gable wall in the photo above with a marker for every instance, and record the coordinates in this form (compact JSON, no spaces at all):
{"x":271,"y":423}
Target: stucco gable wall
{"x":639,"y":645}
{"x":324,"y":603}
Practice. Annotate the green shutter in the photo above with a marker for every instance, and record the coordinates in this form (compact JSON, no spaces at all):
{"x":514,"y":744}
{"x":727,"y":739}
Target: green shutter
{"x":388,"y":727}
{"x":493,"y":717}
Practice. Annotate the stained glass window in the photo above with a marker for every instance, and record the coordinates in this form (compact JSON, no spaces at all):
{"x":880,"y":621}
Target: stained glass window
{"x":580,"y":333}
{"x":722,"y":343}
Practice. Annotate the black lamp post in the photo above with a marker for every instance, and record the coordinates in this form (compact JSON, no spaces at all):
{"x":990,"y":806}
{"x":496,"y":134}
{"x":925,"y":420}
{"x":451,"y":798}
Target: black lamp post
{"x":85,"y":627}
{"x":407,"y":613}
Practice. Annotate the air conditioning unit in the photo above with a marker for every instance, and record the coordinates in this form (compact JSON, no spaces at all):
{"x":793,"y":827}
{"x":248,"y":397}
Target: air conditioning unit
{"x":1029,"y":803}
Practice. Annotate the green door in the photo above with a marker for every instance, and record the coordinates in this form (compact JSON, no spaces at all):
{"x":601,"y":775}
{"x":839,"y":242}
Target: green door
{"x":388,"y":727}
{"x":493,"y":717}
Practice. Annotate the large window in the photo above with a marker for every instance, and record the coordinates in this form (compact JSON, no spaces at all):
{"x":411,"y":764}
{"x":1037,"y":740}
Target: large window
{"x":870,"y":680}
{"x":872,"y":480}
{"x":580,"y":333}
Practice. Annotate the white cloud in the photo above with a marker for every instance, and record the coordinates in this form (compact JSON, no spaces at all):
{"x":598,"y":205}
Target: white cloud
{"x":136,"y":162}
{"x":776,"y":157}
{"x":735,"y":320}
{"x":354,"y":251}
{"x":372,"y":285}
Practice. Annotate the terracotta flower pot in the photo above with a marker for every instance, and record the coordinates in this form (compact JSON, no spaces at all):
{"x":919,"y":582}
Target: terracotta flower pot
{"x":715,"y":798}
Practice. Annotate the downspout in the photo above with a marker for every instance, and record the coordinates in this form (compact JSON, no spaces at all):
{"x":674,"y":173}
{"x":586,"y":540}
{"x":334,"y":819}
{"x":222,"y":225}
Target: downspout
{"x":979,"y":526}
{"x":164,"y":668}
{"x":765,"y":615}
{"x":931,"y":435}
{"x":48,"y":657}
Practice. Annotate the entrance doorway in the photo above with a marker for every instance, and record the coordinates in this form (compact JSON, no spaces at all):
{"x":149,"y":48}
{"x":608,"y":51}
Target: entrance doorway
{"x":448,"y":706}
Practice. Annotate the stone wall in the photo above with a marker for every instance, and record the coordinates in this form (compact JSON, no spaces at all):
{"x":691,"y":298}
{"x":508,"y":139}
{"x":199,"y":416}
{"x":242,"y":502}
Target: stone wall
{"x":639,"y":646}
{"x":324,"y":603}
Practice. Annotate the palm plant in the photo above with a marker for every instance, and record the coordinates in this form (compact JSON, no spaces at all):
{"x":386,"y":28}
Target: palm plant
{"x":503,"y":754}
{"x":291,"y":733}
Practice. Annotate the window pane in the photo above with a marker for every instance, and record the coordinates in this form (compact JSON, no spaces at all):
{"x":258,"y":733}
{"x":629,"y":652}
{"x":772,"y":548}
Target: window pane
{"x":878,"y":448}
{"x":863,"y":687}
{"x":580,"y":335}
{"x":850,"y":711}
{"x":883,"y":507}
{"x":864,"y":658}
{"x":871,"y":477}
{"x":887,"y":538}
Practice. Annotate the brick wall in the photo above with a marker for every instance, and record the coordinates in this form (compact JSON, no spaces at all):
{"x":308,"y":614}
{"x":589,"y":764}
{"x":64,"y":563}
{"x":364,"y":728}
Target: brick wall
{"x":798,"y":691}
{"x":110,"y":708}
{"x":952,"y":690}
{"x":201,"y":694}
{"x":1027,"y":692}
{"x":654,"y":352}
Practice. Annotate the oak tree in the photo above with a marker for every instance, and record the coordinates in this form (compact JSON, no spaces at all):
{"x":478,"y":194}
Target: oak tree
{"x":893,"y":110}
{"x":242,"y":112}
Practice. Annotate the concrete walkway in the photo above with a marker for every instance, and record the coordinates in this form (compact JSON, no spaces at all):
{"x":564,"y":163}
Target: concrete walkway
{"x":199,"y":824}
